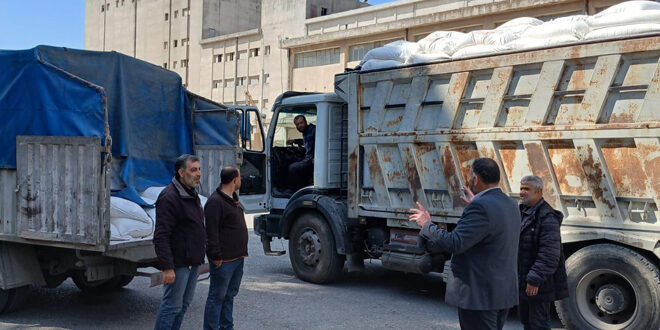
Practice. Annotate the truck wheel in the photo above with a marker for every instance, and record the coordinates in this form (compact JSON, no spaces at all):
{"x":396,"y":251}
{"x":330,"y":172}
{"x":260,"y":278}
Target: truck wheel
{"x":610,"y":287}
{"x":13,"y":299}
{"x":312,"y":250}
{"x":83,"y":284}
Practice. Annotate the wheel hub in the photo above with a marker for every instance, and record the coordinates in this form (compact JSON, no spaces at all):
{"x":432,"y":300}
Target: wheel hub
{"x":309,"y":248}
{"x":611,"y":299}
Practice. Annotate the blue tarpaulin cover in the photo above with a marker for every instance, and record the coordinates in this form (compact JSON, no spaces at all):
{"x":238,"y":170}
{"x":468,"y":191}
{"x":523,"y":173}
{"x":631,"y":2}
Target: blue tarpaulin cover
{"x":52,"y":91}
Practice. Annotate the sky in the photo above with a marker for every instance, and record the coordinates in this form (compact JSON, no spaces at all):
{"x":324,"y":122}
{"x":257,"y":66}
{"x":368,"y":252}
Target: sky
{"x":28,"y":23}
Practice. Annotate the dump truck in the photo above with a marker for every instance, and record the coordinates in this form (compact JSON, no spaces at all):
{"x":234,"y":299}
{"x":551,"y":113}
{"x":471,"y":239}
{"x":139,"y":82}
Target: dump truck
{"x":80,"y":126}
{"x":585,"y":117}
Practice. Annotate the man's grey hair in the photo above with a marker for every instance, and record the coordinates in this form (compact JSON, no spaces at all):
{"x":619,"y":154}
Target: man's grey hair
{"x":532,"y":180}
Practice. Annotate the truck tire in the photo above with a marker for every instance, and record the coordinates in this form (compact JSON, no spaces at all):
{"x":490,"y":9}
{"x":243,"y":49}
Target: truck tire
{"x":312,"y":250}
{"x":13,"y":299}
{"x":80,"y":280}
{"x":610,"y":287}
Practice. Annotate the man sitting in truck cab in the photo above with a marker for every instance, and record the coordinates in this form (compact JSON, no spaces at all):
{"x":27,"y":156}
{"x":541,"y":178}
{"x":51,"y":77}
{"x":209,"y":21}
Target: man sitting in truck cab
{"x":301,"y":171}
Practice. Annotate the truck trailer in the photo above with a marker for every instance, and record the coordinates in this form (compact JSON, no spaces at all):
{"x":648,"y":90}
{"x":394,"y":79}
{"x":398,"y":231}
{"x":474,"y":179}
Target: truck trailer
{"x":584,"y":117}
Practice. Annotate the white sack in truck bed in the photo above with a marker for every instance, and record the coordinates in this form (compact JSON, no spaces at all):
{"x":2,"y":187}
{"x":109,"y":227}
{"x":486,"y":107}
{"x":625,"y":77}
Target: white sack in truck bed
{"x":622,"y":20}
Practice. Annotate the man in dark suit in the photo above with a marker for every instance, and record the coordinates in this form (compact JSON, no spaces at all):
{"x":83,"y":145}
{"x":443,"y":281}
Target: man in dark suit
{"x":483,"y":281}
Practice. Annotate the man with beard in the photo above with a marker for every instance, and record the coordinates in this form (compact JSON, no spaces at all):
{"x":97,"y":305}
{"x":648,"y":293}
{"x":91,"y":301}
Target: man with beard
{"x":301,"y":171}
{"x":179,"y":241}
{"x":483,"y":281}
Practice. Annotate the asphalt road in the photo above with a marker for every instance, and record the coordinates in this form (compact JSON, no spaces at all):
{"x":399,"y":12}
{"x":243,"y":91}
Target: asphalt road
{"x":270,"y":297}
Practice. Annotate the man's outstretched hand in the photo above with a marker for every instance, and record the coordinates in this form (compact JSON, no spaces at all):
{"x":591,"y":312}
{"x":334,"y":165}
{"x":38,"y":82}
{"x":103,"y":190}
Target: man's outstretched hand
{"x":469,"y":195}
{"x":420,"y":215}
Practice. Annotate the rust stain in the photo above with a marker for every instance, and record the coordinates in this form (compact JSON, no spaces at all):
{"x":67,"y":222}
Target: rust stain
{"x":396,"y":121}
{"x":626,"y":171}
{"x":568,"y":170}
{"x":387,"y":157}
{"x":651,"y":157}
{"x":508,"y":161}
{"x":30,"y":210}
{"x":352,"y":169}
{"x":595,"y":175}
{"x":374,"y":168}
{"x":413,"y":177}
{"x":449,"y":170}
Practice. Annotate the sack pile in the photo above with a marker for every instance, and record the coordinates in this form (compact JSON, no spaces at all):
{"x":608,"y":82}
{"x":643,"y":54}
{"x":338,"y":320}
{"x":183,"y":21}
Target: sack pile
{"x":128,"y":220}
{"x":622,"y":20}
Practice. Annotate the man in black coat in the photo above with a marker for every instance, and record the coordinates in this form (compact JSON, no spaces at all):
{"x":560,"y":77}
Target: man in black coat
{"x":483,"y":281}
{"x":541,"y":267}
{"x":179,"y":241}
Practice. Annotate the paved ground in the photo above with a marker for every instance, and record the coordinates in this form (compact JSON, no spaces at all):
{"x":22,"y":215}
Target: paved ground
{"x":270,"y":297}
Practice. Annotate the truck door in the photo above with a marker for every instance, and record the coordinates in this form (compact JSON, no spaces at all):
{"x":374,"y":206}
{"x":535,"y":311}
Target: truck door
{"x":254,"y":198}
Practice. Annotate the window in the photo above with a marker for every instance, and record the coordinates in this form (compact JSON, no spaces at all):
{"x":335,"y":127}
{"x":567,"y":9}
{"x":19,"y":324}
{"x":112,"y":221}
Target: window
{"x":321,"y":57}
{"x":175,"y":42}
{"x":122,"y":3}
{"x":241,"y":54}
{"x":165,"y":65}
{"x":167,"y":16}
{"x":217,"y":84}
{"x":357,"y":52}
{"x":265,"y":105}
{"x":107,"y":7}
{"x":184,"y":42}
{"x":266,"y":78}
{"x":229,"y":57}
{"x":229,"y":83}
{"x":217,"y":58}
{"x":102,"y":8}
{"x":267,"y":50}
{"x":254,"y":52}
{"x":184,"y":12}
{"x":253,"y":80}
{"x":117,"y":4}
{"x":184,"y":63}
{"x":324,"y":11}
{"x":174,"y":65}
{"x":240,"y":81}
{"x":176,"y":13}
{"x":165,"y":45}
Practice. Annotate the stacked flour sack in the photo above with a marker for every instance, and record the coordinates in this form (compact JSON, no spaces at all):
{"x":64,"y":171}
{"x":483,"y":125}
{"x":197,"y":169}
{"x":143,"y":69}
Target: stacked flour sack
{"x":625,"y":19}
{"x":129,"y":220}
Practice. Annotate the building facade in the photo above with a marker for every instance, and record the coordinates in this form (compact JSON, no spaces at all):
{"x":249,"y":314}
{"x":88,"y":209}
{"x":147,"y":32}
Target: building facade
{"x":244,"y":51}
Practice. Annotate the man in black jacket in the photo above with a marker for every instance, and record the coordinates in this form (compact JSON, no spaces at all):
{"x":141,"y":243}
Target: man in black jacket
{"x":484,"y":247}
{"x":541,"y":268}
{"x":179,"y":240}
{"x":227,"y":238}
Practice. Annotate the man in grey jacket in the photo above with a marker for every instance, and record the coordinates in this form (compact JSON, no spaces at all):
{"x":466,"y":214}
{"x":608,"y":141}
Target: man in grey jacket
{"x":483,"y":281}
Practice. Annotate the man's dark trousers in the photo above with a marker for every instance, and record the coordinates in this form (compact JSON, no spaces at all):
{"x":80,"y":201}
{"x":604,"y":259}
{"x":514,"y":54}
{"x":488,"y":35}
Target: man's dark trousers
{"x":535,"y":315}
{"x":482,"y":320}
{"x":225,"y":282}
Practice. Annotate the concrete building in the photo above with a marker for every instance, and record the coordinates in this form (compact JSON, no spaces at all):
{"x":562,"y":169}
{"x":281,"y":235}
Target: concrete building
{"x":225,"y":48}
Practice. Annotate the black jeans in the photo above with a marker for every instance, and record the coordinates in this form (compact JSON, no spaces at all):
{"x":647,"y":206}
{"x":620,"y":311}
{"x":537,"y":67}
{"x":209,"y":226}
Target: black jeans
{"x":482,"y":320}
{"x":301,"y":172}
{"x":535,"y":315}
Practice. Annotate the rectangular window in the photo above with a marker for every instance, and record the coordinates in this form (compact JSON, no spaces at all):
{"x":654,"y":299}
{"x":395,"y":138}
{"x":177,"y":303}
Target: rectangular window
{"x":102,"y":8}
{"x":254,"y":52}
{"x":324,"y":11}
{"x":217,"y":58}
{"x":254,"y":80}
{"x":107,"y":7}
{"x":176,"y":13}
{"x":266,"y":78}
{"x":184,"y":42}
{"x":241,"y":54}
{"x":217,"y":84}
{"x":117,"y":4}
{"x":320,"y":57}
{"x":174,"y":65}
{"x":184,"y":12}
{"x":165,"y":65}
{"x":165,"y":45}
{"x":240,"y":81}
{"x":229,"y":83}
{"x":229,"y":57}
{"x":184,"y":63}
{"x":267,"y":50}
{"x":167,"y":16}
{"x":357,"y":52}
{"x":175,"y":42}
